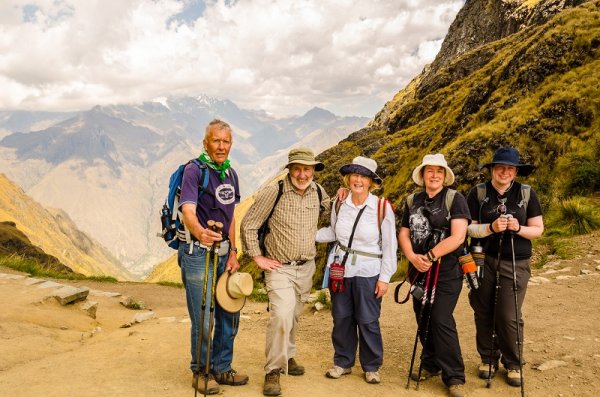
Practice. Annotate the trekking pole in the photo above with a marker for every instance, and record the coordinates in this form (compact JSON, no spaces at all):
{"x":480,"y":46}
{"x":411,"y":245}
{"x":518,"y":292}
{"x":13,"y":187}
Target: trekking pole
{"x":488,"y":382}
{"x":420,"y":317}
{"x":216,"y":227}
{"x":517,"y":317}
{"x":200,"y":340}
{"x":427,"y":320}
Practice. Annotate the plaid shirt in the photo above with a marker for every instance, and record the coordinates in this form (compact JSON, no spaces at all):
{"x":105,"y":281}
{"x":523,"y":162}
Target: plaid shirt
{"x":293,"y":224}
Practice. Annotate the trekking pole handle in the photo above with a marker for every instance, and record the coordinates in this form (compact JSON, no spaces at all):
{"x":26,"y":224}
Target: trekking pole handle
{"x":215,"y":226}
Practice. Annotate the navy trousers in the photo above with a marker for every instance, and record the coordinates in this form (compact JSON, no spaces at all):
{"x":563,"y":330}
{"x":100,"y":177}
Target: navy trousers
{"x":355,"y":315}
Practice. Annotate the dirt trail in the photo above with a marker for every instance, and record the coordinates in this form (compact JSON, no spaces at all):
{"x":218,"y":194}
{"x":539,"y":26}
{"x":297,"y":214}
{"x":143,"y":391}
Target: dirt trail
{"x":50,"y":350}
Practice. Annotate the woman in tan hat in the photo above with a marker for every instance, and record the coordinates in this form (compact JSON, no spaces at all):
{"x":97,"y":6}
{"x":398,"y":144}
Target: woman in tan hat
{"x":434,"y":227}
{"x":505,"y":211}
{"x":363,"y":227}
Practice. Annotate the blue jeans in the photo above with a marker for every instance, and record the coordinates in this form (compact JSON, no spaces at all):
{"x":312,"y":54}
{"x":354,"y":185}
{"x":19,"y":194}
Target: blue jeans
{"x":225,"y":324}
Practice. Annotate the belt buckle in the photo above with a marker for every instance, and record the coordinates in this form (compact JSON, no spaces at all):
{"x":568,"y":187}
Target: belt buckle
{"x":297,"y":263}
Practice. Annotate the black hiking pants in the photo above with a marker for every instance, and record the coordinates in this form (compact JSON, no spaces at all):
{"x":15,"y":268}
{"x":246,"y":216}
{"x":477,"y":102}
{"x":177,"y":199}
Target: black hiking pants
{"x":482,"y":302}
{"x":442,"y":349}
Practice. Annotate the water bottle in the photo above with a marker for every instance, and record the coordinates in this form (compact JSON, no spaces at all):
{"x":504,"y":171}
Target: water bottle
{"x":479,"y":257}
{"x":168,"y":226}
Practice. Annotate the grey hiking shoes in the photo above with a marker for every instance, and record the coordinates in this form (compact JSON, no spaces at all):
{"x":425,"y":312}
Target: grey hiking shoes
{"x":484,"y":370}
{"x":336,"y":372}
{"x":372,"y":377}
{"x":513,"y":377}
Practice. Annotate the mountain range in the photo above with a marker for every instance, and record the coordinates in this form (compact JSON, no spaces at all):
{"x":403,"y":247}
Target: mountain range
{"x":108,"y":167}
{"x":50,"y":237}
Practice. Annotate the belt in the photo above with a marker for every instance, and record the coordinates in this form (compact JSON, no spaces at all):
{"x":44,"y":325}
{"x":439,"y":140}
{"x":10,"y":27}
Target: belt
{"x":356,"y":252}
{"x":223,"y":247}
{"x":295,"y":263}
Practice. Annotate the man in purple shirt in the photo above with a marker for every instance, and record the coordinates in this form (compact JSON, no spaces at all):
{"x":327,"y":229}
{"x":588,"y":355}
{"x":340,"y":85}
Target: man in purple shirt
{"x":198,"y":206}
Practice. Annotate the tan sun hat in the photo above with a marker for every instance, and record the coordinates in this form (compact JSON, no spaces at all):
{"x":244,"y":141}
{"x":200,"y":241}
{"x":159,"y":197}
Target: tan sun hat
{"x":232,"y":290}
{"x":305,"y":156}
{"x":437,"y":160}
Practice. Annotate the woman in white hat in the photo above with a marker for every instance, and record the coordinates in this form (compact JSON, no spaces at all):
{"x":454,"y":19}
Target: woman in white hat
{"x":504,"y":211}
{"x":369,"y":253}
{"x":433,"y":230}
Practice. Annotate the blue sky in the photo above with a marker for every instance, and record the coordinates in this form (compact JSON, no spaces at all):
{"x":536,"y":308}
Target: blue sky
{"x":284,"y":57}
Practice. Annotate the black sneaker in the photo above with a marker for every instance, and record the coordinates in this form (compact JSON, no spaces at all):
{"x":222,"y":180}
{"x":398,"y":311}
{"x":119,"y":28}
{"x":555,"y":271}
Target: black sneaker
{"x":294,"y":368}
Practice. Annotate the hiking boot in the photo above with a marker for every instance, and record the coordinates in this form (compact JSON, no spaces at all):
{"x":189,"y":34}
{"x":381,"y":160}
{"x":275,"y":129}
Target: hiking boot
{"x":212,"y":387}
{"x":484,"y":369}
{"x":513,"y":377}
{"x":425,"y":374}
{"x":372,"y":377}
{"x":294,"y":368}
{"x":337,"y":371}
{"x":231,"y":378}
{"x":457,"y":390}
{"x":272,"y":387}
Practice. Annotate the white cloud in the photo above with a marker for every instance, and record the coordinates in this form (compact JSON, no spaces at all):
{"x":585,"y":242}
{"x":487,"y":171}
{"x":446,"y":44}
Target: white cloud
{"x":349,"y":56}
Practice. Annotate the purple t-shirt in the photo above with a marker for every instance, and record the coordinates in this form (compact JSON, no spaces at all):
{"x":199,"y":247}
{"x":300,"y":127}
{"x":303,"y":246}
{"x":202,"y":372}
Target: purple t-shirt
{"x":218,"y":201}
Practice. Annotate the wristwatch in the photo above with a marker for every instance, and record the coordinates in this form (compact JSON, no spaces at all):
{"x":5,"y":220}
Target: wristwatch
{"x":234,"y":249}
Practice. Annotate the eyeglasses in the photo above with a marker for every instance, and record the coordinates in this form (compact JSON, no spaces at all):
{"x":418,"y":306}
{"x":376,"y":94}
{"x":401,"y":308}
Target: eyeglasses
{"x":501,"y":209}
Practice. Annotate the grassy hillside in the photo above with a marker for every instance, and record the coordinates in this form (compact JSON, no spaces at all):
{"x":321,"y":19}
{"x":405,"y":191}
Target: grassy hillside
{"x":55,"y":233}
{"x":536,"y":90}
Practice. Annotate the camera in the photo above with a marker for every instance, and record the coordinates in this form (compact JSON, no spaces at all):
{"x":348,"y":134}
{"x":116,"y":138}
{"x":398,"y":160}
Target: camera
{"x":417,"y":290}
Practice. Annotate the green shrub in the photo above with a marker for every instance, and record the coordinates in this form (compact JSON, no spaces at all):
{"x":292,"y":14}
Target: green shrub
{"x":585,"y":178}
{"x":259,"y":295}
{"x":323,"y":299}
{"x":574,"y":216}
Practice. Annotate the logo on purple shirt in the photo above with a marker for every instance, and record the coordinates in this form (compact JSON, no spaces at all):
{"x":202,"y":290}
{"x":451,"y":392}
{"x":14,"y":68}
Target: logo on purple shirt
{"x":225,"y":194}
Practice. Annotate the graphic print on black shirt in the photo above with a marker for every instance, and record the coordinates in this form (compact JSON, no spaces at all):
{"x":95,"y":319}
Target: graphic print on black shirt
{"x":427,"y":218}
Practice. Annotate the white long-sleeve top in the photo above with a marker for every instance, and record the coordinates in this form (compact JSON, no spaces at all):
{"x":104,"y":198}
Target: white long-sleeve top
{"x":366,"y":238}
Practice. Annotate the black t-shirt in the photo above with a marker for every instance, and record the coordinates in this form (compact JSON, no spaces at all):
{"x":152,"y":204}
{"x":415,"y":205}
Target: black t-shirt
{"x":487,"y":212}
{"x":427,"y":218}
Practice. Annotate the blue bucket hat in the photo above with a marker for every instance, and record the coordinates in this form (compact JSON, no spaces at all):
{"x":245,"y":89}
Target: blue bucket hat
{"x":509,"y":156}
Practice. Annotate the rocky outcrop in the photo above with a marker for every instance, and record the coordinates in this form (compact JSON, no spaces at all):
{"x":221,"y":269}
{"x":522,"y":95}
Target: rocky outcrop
{"x":478,"y":23}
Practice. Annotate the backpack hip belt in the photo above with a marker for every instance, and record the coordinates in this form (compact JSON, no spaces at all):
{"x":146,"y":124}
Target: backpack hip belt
{"x":354,"y":252}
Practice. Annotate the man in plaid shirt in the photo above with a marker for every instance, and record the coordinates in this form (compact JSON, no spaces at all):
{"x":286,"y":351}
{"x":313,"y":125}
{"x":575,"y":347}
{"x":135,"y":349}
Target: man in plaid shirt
{"x":289,"y":260}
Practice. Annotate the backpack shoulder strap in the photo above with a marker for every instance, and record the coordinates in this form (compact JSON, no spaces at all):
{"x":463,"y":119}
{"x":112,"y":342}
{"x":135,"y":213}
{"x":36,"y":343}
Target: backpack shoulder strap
{"x":320,"y":195}
{"x":481,"y":192}
{"x":410,"y":199}
{"x":381,"y":208}
{"x":525,"y":195}
{"x":449,"y":199}
{"x":279,"y":194}
{"x":204,"y":177}
{"x":337,"y":206}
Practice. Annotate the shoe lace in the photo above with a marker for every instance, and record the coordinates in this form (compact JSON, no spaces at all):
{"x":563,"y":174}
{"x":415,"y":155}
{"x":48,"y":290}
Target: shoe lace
{"x":274,"y":375}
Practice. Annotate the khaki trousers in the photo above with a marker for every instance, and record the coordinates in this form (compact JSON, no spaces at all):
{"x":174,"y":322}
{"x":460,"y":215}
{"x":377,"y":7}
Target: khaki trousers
{"x":288,"y":288}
